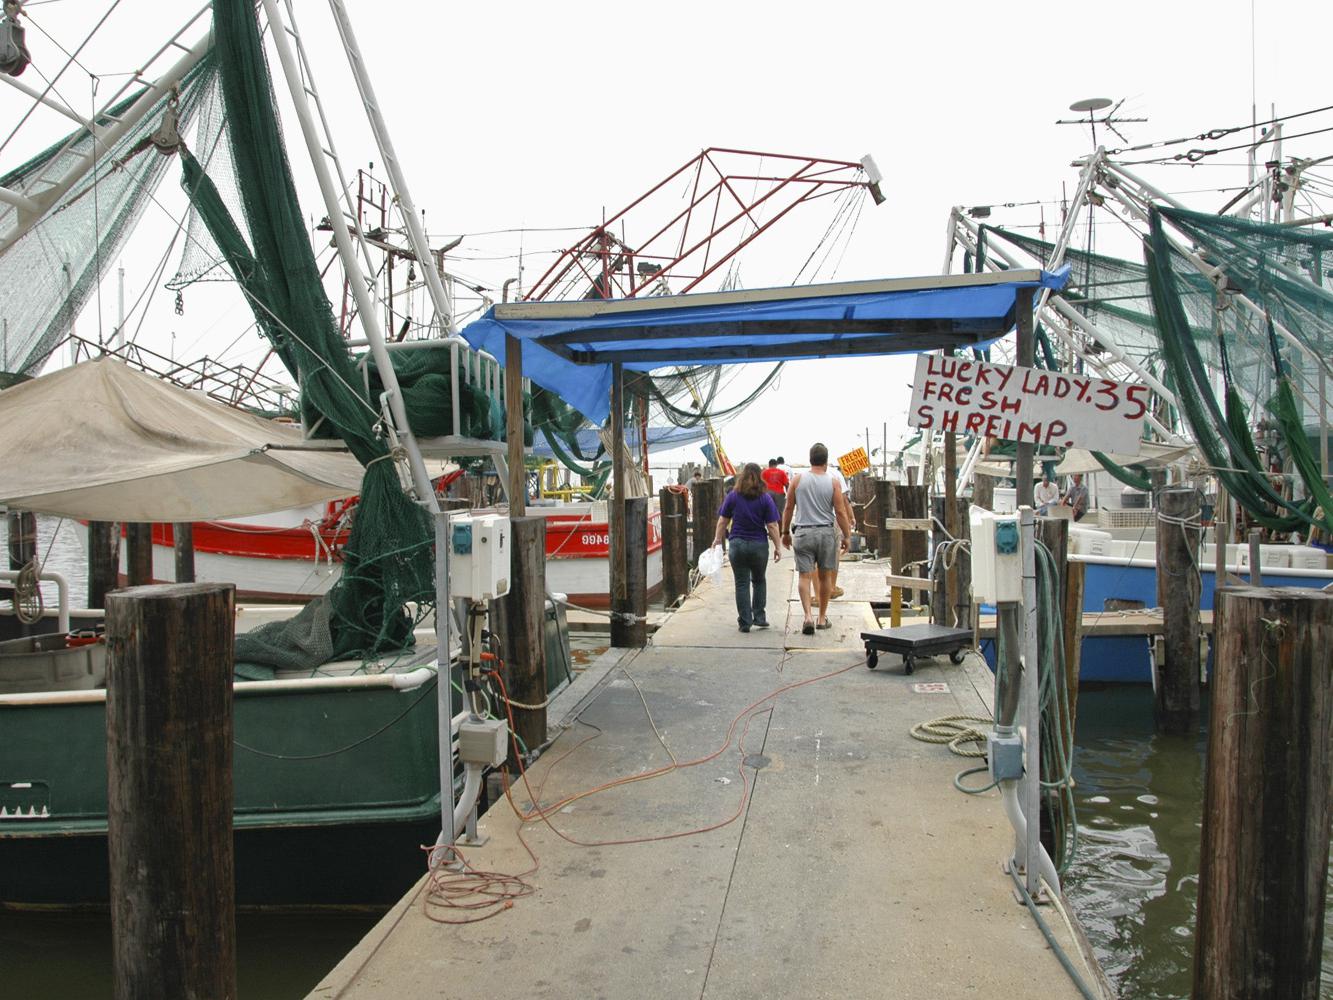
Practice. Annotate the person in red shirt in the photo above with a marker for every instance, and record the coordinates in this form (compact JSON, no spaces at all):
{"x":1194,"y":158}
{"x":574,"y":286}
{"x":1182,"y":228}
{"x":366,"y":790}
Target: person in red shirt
{"x":776,"y":481}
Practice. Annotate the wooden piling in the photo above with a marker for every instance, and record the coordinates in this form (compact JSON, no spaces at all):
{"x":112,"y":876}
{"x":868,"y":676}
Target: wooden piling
{"x":1267,"y":806}
{"x":949,"y":589}
{"x":22,"y":527}
{"x":619,"y":592}
{"x":1025,"y":345}
{"x":519,"y":619}
{"x":1178,"y":538}
{"x":983,"y":491}
{"x":1256,"y":558}
{"x":910,"y":545}
{"x":675,"y":553}
{"x":863,"y":495}
{"x":705,"y":500}
{"x":169,"y":790}
{"x":1073,"y":609}
{"x":950,"y":521}
{"x":1221,"y":535}
{"x":628,"y":626}
{"x":139,"y":554}
{"x":103,"y":561}
{"x":517,"y":487}
{"x":883,"y":502}
{"x":182,"y":538}
{"x":1053,"y":532}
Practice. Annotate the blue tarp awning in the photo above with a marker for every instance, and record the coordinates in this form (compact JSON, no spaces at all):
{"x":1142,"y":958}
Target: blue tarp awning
{"x":589,"y":442}
{"x":569,"y":347}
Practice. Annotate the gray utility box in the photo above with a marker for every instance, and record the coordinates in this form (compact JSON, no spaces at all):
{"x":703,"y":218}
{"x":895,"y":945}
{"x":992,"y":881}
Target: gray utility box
{"x":483,"y":741}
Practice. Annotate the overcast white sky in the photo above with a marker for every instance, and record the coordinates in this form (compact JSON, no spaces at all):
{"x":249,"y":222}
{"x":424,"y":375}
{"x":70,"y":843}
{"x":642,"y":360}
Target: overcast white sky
{"x":545,"y":115}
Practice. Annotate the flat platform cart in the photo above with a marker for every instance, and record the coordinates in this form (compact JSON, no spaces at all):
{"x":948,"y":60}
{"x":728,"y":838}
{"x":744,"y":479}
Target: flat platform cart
{"x":914,"y":642}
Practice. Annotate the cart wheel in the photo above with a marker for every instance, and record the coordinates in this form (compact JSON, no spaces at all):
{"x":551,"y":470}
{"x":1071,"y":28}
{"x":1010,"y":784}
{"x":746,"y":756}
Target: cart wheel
{"x":872,"y":659}
{"x":909,"y":664}
{"x":957,"y":656}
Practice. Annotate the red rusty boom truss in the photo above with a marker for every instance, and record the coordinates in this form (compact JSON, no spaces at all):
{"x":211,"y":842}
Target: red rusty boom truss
{"x":717,"y":222}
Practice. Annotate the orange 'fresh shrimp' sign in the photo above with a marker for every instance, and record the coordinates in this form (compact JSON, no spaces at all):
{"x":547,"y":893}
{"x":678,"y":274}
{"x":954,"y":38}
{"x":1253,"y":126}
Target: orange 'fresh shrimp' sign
{"x":853,"y":462}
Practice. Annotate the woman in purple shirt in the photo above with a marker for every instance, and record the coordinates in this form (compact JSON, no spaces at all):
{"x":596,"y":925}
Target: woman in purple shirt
{"x":752,"y":516}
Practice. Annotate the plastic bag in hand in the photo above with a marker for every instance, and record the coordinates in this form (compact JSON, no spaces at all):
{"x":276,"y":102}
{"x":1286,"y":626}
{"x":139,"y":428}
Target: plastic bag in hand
{"x":710,"y":563}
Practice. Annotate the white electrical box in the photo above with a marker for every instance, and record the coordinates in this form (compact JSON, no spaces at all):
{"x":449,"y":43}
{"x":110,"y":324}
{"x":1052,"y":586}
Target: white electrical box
{"x":997,"y":557}
{"x":479,"y":560}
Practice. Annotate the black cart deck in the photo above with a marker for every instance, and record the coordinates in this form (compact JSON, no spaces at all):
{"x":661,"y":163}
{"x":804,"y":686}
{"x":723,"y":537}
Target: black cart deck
{"x":914,"y":642}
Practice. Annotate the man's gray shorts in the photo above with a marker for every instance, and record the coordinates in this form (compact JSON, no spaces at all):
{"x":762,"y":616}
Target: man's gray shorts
{"x":815,"y":546}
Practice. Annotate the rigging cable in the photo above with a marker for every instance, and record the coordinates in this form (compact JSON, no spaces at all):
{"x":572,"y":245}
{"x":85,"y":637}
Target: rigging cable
{"x":1193,"y":156}
{"x":1212,"y":135}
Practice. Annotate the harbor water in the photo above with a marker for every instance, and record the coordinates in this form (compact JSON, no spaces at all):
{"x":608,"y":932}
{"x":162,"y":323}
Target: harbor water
{"x":1135,"y":879}
{"x":278,"y":956}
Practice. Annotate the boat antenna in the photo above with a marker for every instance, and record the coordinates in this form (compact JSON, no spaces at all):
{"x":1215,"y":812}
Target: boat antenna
{"x":1092,"y":105}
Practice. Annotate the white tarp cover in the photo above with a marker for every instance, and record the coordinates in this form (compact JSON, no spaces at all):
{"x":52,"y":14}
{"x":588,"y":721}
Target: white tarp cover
{"x":104,"y":442}
{"x":1150,"y":456}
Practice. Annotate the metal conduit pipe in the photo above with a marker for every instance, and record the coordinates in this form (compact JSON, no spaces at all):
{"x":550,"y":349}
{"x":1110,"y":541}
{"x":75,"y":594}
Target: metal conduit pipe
{"x":471,"y":791}
{"x":1012,"y":808}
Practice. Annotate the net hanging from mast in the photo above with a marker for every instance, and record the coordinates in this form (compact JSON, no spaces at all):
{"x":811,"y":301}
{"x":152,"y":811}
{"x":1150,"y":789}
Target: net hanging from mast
{"x":50,"y":273}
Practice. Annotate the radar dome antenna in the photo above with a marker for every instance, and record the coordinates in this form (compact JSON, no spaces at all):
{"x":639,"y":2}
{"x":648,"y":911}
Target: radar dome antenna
{"x":1091,"y":105}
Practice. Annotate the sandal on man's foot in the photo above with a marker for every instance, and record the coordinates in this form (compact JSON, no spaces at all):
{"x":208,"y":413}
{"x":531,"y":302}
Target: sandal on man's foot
{"x":808,"y":628}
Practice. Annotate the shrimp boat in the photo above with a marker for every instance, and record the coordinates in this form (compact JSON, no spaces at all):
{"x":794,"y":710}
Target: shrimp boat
{"x":295,"y":555}
{"x":1223,"y":315}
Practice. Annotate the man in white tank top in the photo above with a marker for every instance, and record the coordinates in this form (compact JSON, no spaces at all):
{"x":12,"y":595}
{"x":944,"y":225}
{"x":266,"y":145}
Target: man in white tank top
{"x":816,"y":508}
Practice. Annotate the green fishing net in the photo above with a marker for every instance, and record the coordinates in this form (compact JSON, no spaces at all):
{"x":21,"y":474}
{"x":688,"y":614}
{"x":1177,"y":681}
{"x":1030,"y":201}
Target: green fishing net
{"x":48,"y":275}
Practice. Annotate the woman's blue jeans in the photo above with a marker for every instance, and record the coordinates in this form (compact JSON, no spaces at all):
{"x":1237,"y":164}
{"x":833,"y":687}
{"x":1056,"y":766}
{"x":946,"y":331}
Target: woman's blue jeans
{"x":749,"y":561}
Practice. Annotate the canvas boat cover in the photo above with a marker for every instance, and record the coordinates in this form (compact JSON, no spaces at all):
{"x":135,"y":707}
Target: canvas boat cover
{"x":1151,"y":456}
{"x":101,"y":441}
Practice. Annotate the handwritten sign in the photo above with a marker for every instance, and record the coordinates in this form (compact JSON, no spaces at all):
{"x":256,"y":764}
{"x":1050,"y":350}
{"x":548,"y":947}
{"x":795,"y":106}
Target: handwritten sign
{"x":1027,"y":404}
{"x":853,"y":462}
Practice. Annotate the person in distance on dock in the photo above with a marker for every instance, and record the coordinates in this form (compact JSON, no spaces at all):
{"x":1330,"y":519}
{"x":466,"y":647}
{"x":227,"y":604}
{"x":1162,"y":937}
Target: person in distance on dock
{"x":752,"y":517}
{"x":1045,"y":494}
{"x":776,"y":481}
{"x":815,"y":504}
{"x":1077,"y":497}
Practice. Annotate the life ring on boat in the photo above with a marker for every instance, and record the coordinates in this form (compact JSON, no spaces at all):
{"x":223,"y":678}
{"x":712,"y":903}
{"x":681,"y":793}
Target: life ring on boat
{"x":82,"y":637}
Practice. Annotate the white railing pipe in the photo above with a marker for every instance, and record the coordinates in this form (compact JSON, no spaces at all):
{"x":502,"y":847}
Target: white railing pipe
{"x":62,"y":592}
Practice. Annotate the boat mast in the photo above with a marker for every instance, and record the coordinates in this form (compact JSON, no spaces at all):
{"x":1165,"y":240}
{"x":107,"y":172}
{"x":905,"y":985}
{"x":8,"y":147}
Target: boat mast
{"x":320,"y":155}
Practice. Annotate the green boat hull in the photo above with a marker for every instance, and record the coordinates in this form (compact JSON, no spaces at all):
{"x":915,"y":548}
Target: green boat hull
{"x":336,"y":792}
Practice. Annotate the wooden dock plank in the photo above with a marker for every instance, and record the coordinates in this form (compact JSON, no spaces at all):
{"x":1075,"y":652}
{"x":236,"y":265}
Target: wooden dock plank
{"x":1112,"y":623}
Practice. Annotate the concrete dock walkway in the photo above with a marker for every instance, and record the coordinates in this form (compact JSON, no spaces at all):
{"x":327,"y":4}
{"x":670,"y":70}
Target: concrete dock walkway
{"x":843,"y":864}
